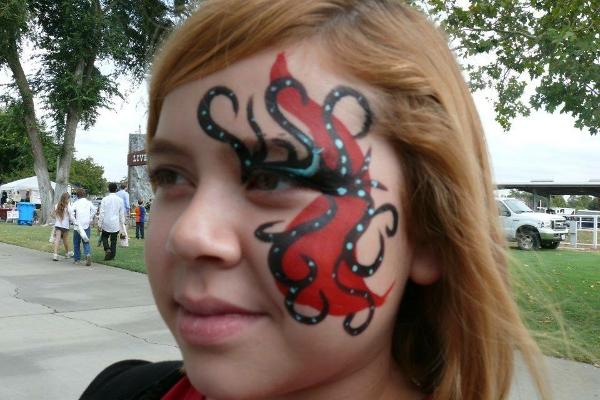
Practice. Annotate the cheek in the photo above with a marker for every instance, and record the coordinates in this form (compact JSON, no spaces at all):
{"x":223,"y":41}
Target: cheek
{"x":155,"y":249}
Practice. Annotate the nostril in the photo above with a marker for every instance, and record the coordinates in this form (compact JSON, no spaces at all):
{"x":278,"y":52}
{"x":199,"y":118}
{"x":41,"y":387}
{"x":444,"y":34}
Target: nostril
{"x":214,"y":243}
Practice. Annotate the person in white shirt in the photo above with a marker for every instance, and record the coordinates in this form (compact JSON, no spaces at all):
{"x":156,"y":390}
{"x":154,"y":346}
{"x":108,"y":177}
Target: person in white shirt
{"x":125,"y":197}
{"x":62,"y":215}
{"x":83,"y":211}
{"x":112,"y":217}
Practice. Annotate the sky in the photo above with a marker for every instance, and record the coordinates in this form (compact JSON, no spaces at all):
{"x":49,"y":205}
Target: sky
{"x":540,"y":146}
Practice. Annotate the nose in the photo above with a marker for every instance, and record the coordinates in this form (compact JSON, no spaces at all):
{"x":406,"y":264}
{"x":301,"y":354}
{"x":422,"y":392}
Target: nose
{"x":206,"y":231}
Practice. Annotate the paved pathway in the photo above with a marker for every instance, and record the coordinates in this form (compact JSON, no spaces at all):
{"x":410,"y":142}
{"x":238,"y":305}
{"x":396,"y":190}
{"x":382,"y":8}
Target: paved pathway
{"x":60,"y":324}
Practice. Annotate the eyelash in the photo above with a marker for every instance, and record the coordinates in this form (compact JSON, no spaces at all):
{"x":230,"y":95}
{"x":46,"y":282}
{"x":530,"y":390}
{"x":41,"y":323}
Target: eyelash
{"x":323,"y":181}
{"x":258,"y":179}
{"x":164,"y":177}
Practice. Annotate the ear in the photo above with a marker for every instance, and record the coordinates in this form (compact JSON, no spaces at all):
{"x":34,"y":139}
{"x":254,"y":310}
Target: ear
{"x":425,"y":268}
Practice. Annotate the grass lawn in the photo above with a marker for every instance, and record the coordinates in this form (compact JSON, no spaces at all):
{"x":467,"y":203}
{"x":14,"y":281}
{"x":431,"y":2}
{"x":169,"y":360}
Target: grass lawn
{"x":36,"y":237}
{"x":558,"y":291}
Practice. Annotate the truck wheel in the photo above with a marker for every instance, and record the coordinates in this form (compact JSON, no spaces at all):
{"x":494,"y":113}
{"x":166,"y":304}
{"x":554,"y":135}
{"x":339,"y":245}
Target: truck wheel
{"x":528,"y":239}
{"x":550,"y":245}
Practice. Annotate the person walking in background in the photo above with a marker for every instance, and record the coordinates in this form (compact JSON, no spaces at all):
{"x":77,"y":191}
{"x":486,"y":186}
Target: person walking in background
{"x":125,"y":197}
{"x":140,"y":218}
{"x":4,"y":198}
{"x":62,"y":214}
{"x":83,"y":211}
{"x":112,"y":216}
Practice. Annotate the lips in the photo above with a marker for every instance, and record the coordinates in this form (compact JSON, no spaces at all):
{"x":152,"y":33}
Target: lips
{"x":211,"y":321}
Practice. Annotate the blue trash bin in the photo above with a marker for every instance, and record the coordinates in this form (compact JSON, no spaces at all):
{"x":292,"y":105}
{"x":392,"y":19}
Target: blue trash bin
{"x":26,"y":211}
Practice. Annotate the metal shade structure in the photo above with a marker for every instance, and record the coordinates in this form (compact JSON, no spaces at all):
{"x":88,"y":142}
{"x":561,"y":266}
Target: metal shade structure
{"x":549,"y":187}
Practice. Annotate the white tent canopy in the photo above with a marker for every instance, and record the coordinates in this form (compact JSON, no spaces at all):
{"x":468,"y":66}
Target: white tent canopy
{"x":18,"y":189}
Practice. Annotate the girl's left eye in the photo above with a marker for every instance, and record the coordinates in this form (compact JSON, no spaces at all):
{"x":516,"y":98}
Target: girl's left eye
{"x":268,"y":181}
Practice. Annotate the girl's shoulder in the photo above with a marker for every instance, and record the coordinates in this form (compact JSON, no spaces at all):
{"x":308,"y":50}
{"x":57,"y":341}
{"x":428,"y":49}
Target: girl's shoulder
{"x":134,"y":379}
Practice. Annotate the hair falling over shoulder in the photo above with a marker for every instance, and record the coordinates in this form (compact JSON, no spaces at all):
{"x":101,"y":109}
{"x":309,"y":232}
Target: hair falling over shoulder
{"x":457,"y":338}
{"x":62,"y":205}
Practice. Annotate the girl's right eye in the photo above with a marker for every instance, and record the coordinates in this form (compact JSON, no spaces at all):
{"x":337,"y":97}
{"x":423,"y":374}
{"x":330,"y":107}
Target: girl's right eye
{"x":163,"y":177}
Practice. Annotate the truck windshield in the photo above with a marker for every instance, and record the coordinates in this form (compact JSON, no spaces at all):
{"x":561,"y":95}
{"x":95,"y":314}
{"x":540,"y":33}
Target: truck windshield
{"x":517,"y":206}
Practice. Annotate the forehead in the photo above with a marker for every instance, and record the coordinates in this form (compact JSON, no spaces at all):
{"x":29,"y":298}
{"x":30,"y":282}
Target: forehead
{"x":249,"y":79}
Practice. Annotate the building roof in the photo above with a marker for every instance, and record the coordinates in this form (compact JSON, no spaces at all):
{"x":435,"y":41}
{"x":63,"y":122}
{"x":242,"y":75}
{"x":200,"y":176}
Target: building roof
{"x":550,"y":187}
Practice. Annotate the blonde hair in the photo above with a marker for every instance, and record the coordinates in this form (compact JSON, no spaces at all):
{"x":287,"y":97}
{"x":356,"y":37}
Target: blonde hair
{"x":62,"y":205}
{"x":456,"y":338}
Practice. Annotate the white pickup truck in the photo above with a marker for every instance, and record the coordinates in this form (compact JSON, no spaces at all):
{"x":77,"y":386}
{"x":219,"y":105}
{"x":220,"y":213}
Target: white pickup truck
{"x":529,"y":229}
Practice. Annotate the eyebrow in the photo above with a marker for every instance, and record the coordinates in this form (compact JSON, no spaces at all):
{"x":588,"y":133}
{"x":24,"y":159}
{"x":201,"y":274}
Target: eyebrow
{"x":166,"y":147}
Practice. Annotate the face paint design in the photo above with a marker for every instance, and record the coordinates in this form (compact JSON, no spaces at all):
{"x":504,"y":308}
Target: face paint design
{"x":314,"y":259}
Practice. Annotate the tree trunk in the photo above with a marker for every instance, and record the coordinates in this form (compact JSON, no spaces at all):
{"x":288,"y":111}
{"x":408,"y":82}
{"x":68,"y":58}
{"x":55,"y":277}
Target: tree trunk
{"x":81,"y":73}
{"x":40,"y":165}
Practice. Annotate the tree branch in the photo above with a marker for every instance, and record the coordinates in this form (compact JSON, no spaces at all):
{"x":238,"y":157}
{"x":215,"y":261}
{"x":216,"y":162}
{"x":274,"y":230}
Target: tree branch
{"x":519,"y":33}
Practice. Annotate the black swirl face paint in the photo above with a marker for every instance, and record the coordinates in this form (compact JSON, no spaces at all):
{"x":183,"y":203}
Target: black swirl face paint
{"x":313,"y":260}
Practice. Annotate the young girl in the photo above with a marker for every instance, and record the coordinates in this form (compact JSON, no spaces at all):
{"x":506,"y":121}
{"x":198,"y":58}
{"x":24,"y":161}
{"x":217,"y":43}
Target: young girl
{"x":62,"y":215}
{"x":309,"y":159}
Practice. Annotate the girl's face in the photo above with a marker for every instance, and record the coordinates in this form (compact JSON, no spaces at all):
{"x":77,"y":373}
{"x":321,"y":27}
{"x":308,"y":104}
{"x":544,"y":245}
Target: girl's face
{"x":276,"y":254}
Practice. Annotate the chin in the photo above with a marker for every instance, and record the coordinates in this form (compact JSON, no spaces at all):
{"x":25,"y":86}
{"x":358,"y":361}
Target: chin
{"x":225,"y":383}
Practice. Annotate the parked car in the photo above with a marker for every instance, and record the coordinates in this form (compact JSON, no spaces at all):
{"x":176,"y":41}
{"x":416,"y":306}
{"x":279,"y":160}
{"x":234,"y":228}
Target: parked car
{"x":531,"y":230}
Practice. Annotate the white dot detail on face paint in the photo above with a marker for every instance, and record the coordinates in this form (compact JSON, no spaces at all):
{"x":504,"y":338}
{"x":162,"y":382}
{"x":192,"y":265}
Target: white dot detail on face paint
{"x":337,"y":94}
{"x":311,"y":264}
{"x":349,"y":246}
{"x":338,"y":143}
{"x":212,"y":92}
{"x":342,"y":191}
{"x":294,"y":233}
{"x":273,"y":88}
{"x":371,"y":211}
{"x":374,"y":184}
{"x":327,"y":107}
{"x":275,"y":249}
{"x":344,"y":159}
{"x":361,"y":193}
{"x":360,"y":227}
{"x":221,"y":135}
{"x":316,"y":224}
{"x":344,"y":170}
{"x":247,"y":163}
{"x":328,"y":126}
{"x":355,"y":268}
{"x":288,"y":82}
{"x":204,"y":112}
{"x":209,"y":127}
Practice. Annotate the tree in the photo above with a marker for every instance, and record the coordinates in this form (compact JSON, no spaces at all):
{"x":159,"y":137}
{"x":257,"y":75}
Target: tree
{"x":504,"y":45}
{"x":579,"y":202}
{"x":89,"y":175}
{"x":557,"y":201}
{"x":525,"y":197}
{"x":16,"y":159}
{"x":72,"y":38}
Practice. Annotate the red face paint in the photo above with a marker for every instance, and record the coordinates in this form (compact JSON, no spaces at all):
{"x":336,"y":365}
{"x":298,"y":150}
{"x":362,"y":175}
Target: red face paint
{"x":314,"y":259}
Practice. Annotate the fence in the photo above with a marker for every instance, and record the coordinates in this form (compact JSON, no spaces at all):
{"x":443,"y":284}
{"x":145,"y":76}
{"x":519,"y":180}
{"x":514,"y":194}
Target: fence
{"x":580,"y":228}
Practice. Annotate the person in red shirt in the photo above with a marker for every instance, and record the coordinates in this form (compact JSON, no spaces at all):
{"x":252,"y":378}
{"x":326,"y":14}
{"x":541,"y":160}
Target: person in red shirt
{"x":140,"y":219}
{"x":308,"y":159}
